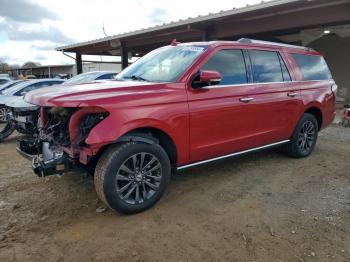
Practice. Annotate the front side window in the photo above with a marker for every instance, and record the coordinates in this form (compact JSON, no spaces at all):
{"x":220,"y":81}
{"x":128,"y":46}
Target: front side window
{"x":267,"y":66}
{"x":230,"y":64}
{"x":165,"y":64}
{"x":313,"y":67}
{"x":25,"y":90}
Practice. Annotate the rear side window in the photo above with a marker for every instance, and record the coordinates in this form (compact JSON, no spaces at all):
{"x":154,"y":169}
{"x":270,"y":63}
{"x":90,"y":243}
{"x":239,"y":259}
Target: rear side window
{"x":268,"y":66}
{"x":230,"y":64}
{"x":106,"y":76}
{"x":312,"y":67}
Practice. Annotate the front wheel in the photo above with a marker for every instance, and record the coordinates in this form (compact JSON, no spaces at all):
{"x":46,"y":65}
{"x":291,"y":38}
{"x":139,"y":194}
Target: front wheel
{"x":132,"y":177}
{"x":6,"y":129}
{"x":4,"y":111}
{"x":304,"y":137}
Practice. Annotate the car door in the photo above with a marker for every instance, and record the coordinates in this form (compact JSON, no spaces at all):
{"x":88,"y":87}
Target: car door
{"x":221,"y":120}
{"x":276,"y":97}
{"x":254,"y":105}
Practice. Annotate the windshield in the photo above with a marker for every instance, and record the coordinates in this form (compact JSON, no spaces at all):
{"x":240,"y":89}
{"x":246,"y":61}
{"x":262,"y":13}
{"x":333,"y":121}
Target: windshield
{"x":83,"y":78}
{"x":8,"y":85}
{"x":13,"y":89}
{"x":165,"y":64}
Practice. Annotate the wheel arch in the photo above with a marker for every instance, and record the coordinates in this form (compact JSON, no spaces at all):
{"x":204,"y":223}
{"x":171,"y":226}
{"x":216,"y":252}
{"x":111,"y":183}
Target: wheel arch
{"x":152,"y":135}
{"x":317,"y":113}
{"x":149,"y":135}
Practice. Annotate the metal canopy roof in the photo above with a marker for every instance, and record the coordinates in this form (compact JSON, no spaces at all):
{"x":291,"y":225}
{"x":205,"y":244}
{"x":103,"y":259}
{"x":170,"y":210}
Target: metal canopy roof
{"x":272,"y":16}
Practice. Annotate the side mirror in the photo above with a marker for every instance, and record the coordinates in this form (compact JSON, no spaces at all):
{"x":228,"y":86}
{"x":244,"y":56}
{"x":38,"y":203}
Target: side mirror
{"x":206,"y":78}
{"x":24,"y":93}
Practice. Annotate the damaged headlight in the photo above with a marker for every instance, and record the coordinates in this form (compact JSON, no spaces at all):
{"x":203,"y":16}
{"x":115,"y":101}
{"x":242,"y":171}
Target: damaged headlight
{"x":89,"y":122}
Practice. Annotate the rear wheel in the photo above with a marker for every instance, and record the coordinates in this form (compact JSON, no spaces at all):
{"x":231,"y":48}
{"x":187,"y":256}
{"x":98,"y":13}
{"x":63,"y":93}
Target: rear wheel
{"x":304,"y":137}
{"x":131,"y":177}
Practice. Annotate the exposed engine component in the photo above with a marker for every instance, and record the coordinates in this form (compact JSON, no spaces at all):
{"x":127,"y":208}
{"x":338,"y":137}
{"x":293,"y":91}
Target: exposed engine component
{"x":57,"y":126}
{"x":61,"y":135}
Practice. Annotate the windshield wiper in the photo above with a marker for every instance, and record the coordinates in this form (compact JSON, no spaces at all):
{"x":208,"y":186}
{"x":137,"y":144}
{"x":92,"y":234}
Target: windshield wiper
{"x":136,"y":78}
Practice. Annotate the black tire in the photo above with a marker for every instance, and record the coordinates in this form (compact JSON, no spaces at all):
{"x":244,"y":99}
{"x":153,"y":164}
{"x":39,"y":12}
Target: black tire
{"x":6,"y":130}
{"x":111,"y":177}
{"x":304,"y":138}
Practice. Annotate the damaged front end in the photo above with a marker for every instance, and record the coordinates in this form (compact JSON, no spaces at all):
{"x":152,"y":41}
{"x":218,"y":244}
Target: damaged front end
{"x":25,"y":120}
{"x":59,"y":146}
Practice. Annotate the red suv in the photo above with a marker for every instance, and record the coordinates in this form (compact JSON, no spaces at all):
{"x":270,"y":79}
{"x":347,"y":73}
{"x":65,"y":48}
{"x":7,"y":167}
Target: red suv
{"x":179,"y":106}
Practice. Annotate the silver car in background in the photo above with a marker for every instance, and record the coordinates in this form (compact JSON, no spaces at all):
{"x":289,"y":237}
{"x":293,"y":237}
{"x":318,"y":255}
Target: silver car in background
{"x":16,"y":93}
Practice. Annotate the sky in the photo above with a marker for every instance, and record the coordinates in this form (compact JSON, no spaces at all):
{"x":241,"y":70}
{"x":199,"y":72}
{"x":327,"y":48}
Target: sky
{"x":30,"y":30}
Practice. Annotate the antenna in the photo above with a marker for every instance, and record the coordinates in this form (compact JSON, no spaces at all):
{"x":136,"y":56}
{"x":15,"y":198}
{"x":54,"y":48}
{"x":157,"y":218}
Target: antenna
{"x":103,"y":29}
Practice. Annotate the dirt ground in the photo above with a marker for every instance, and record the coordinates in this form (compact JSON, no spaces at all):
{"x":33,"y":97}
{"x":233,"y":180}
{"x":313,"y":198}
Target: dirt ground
{"x":260,"y":207}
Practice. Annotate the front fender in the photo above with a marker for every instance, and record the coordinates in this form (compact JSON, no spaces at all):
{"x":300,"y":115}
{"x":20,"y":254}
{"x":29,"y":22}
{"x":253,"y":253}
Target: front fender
{"x":109,"y":131}
{"x":121,"y":122}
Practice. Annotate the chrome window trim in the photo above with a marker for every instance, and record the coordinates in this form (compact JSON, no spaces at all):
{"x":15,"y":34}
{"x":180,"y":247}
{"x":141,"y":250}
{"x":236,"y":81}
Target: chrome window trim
{"x":233,"y":154}
{"x":266,"y":83}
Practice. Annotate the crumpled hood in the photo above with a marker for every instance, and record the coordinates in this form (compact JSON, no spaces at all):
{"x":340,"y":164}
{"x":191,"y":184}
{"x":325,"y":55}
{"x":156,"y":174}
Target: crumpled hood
{"x":20,"y":104}
{"x":87,"y":94}
{"x":4,"y":99}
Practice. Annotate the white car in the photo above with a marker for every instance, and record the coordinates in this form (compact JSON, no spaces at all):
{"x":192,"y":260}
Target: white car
{"x":10,"y":84}
{"x":24,"y":116}
{"x":19,"y":90}
{"x":4,"y":80}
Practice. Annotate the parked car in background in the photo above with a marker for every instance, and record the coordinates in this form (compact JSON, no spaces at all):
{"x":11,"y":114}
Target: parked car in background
{"x":4,"y":80}
{"x":9,"y":84}
{"x":91,"y":76}
{"x":16,"y":93}
{"x":180,"y":106}
{"x":24,"y":116}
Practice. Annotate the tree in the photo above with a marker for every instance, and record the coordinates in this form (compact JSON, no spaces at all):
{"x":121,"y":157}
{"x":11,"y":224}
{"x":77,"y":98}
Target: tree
{"x":4,"y":67}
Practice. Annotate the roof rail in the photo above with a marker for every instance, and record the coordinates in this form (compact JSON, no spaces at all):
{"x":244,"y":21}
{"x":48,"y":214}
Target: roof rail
{"x":252,"y":41}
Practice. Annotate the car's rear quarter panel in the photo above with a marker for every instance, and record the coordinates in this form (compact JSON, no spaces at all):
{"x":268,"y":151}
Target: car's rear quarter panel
{"x":314,"y":93}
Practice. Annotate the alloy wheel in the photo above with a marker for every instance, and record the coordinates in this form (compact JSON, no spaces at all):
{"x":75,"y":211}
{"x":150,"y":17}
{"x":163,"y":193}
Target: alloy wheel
{"x":138,"y":178}
{"x":306,"y":137}
{"x":4,"y":114}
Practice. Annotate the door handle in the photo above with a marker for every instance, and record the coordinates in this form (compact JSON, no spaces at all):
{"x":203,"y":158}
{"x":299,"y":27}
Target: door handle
{"x":246,"y":99}
{"x":292,"y":94}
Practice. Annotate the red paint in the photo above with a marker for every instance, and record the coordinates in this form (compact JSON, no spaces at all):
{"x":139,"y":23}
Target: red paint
{"x":202,"y":123}
{"x":208,"y":76}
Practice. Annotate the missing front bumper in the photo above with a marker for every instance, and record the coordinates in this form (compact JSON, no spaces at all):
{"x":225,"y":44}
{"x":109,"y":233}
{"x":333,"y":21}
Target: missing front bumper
{"x":46,"y":160}
{"x":57,"y":166}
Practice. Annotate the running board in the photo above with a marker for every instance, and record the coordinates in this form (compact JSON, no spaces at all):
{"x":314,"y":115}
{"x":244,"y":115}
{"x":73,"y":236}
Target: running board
{"x":233,"y":154}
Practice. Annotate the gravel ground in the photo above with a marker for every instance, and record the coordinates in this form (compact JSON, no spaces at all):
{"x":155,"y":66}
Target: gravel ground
{"x":259,"y":207}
